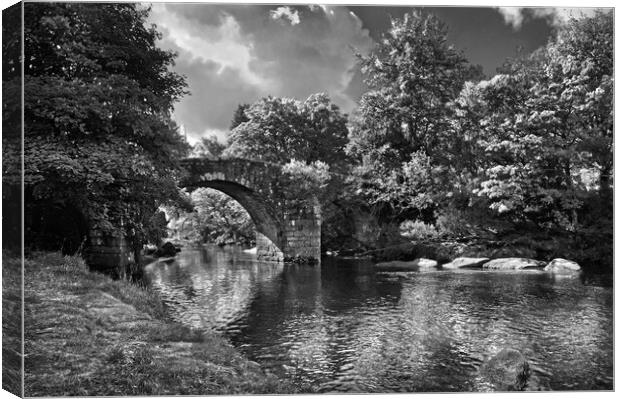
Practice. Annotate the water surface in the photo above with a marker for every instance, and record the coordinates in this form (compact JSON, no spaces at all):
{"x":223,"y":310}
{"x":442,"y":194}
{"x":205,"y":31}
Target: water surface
{"x":344,"y":327}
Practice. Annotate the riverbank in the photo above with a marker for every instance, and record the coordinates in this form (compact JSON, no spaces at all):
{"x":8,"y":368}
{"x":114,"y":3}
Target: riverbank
{"x":594,"y":256}
{"x":89,"y":335}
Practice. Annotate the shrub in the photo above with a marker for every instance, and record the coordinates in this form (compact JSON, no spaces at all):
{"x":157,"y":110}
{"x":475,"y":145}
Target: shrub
{"x":418,"y":230}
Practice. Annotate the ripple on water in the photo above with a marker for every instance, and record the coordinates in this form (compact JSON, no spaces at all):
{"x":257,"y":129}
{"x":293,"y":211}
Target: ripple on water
{"x":350,"y":329}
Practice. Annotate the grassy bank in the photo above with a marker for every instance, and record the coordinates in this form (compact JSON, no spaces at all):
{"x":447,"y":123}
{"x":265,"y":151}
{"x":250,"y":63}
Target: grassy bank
{"x":11,"y":324}
{"x":89,"y":335}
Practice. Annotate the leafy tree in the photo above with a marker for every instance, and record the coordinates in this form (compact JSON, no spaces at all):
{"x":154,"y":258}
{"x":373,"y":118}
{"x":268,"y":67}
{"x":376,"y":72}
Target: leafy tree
{"x":304,"y":183}
{"x":209,"y":147}
{"x":414,"y":75}
{"x":11,"y":127}
{"x":546,"y":121}
{"x":216,"y":218}
{"x":98,"y":96}
{"x":239,"y":116}
{"x":279,"y":130}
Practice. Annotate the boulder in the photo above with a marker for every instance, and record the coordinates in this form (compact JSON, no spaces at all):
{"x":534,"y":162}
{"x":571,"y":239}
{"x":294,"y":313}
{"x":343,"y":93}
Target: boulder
{"x":563,"y":266}
{"x":459,"y":263}
{"x":417,"y":264}
{"x":507,"y":371}
{"x":167,"y":249}
{"x":513,"y":264}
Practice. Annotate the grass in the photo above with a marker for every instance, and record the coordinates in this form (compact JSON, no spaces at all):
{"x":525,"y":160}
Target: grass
{"x":11,"y":324}
{"x":89,"y":335}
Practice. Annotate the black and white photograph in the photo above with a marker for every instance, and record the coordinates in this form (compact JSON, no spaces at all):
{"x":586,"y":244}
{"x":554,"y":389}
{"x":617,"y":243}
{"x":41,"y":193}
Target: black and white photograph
{"x":229,"y":198}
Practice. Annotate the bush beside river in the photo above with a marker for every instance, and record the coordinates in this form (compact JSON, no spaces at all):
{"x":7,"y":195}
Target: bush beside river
{"x":89,"y":335}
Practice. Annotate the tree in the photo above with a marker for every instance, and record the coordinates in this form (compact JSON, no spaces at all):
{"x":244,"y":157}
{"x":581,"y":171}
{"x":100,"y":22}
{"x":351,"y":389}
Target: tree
{"x":414,"y":75}
{"x":220,"y":219}
{"x":98,"y":96}
{"x":209,"y":147}
{"x":279,"y":130}
{"x":239,"y":116}
{"x":546,"y":121}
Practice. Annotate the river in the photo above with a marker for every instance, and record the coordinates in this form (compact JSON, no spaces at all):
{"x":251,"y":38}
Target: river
{"x":342,"y":327}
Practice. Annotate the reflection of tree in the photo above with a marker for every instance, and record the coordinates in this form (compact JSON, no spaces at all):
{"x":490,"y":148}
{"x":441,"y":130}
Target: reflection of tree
{"x":310,"y":316}
{"x":348,"y":328}
{"x":209,"y":290}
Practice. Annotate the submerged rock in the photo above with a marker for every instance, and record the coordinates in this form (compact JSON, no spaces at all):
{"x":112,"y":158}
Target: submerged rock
{"x":513,"y":264}
{"x":507,"y":371}
{"x":167,"y":249}
{"x":417,"y":264}
{"x":459,"y":263}
{"x":563,"y":266}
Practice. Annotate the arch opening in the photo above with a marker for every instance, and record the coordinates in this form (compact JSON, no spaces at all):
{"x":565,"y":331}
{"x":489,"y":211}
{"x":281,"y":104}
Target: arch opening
{"x":268,"y":229}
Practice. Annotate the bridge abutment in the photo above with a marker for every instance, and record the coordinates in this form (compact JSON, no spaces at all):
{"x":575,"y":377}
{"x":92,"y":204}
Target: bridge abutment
{"x":108,"y":252}
{"x":266,"y":250}
{"x":302,"y":239}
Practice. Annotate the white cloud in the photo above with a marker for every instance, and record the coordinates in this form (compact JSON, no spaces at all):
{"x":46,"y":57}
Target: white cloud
{"x":515,"y":16}
{"x":223,"y":44}
{"x":285,"y":13}
{"x":237,"y":54}
{"x":512,"y":16}
{"x":560,"y":16}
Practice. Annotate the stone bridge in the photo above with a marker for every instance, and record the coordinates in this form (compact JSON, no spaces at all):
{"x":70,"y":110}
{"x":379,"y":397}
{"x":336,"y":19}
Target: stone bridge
{"x":283,"y":232}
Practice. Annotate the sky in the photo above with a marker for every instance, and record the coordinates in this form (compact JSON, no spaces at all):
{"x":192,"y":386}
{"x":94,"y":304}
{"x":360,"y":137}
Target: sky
{"x":238,"y":53}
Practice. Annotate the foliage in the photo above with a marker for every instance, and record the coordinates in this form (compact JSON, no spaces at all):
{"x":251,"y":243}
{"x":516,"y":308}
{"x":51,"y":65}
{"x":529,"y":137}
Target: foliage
{"x":399,"y":130}
{"x":539,"y":128}
{"x":209,"y":147}
{"x":98,"y":97}
{"x":214,"y":217}
{"x":221,"y":219}
{"x":280,"y":129}
{"x":418,"y":230}
{"x":239,"y":116}
{"x":304,"y":183}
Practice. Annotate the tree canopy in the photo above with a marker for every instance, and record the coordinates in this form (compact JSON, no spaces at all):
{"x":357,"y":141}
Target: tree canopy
{"x":413,"y":75}
{"x":544,"y":126}
{"x":280,"y":129}
{"x":98,"y":99}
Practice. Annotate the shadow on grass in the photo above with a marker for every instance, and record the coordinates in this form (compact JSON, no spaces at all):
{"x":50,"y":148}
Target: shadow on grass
{"x":89,"y":335}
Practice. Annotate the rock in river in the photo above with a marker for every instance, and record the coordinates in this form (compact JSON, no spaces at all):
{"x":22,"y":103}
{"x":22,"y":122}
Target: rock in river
{"x":513,"y":264}
{"x":563,"y":266}
{"x":459,"y":263}
{"x":167,"y":249}
{"x":417,"y":264}
{"x":507,"y":371}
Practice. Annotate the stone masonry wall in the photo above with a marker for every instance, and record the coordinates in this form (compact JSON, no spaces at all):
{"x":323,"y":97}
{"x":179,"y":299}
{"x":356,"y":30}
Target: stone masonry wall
{"x":108,"y":253}
{"x":266,"y":250}
{"x":285,"y":234}
{"x":302,"y":239}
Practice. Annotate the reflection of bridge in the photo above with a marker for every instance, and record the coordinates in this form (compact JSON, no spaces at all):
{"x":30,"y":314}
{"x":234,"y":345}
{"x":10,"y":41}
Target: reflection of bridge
{"x":282,"y":232}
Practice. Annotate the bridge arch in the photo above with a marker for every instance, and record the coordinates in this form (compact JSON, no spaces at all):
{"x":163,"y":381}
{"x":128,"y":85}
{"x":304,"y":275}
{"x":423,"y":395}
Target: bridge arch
{"x":281,"y":234}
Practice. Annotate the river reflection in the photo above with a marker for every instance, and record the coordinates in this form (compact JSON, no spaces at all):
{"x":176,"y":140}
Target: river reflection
{"x":344,"y":327}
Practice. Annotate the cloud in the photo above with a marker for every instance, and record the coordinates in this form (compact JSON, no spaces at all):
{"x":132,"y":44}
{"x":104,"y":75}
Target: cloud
{"x":285,"y":13}
{"x":516,"y":16}
{"x":233,"y":54}
{"x":512,"y":16}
